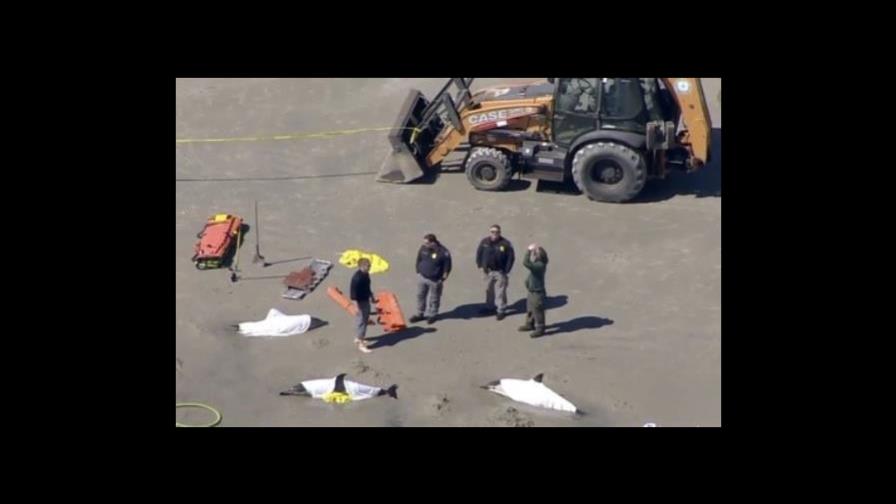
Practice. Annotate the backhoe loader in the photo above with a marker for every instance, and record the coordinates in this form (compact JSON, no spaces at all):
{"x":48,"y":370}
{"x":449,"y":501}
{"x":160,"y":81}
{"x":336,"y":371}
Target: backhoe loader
{"x":608,"y":135}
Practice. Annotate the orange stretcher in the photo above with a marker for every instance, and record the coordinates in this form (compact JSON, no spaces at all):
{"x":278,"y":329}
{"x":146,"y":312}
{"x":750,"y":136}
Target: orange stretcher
{"x":346,"y":303}
{"x":218,"y":238}
{"x":389,"y":312}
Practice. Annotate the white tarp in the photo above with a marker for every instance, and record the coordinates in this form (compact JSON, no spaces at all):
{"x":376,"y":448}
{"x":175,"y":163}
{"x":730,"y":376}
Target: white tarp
{"x":276,"y":324}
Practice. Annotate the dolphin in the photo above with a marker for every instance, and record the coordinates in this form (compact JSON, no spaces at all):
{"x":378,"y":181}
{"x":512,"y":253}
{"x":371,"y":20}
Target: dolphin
{"x":321,"y":387}
{"x":532,"y":392}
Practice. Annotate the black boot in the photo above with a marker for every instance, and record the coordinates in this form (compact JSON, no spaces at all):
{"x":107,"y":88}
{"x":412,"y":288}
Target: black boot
{"x":416,"y":318}
{"x":524,"y":328}
{"x":539,"y":331}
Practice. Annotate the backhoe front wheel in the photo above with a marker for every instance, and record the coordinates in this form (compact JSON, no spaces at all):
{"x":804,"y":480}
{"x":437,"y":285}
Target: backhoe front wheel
{"x":488,"y":169}
{"x":609,"y":172}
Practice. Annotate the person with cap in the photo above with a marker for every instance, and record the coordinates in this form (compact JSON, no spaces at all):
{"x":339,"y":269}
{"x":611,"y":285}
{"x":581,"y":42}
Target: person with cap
{"x":360,"y":293}
{"x":536,"y":261}
{"x":433,"y":268}
{"x":495,"y":258}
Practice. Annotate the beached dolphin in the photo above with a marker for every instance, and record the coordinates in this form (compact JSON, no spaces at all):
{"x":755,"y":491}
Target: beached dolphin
{"x":339,"y":390}
{"x":531,"y":392}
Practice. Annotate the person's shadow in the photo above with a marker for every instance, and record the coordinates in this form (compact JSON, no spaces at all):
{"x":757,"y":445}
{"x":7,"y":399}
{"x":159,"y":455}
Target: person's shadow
{"x":390,"y":339}
{"x":586,"y":322}
{"x":465,"y":312}
{"x":471,"y":311}
{"x":550,"y":302}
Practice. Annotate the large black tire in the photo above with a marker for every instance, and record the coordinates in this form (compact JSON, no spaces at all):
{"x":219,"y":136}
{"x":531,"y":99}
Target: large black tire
{"x":610,"y":172}
{"x":488,"y":169}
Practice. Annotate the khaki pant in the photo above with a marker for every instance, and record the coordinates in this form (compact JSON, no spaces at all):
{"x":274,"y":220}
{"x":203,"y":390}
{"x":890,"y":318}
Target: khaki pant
{"x":493,"y":278}
{"x":429,"y":295}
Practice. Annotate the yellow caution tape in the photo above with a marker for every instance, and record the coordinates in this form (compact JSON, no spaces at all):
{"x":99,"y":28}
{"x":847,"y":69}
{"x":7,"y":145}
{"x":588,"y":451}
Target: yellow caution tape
{"x":295,"y":136}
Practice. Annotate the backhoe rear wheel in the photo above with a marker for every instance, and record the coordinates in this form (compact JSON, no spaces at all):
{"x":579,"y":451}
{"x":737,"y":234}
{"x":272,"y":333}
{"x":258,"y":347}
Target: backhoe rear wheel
{"x":488,"y":169}
{"x":609,"y":172}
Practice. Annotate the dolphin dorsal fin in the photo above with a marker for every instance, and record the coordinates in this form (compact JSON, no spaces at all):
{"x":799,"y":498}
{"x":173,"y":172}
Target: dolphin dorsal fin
{"x":340,"y":383}
{"x":538,"y":377}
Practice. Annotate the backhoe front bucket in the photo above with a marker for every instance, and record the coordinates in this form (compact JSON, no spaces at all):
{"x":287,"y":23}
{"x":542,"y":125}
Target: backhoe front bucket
{"x":407,"y":161}
{"x":399,"y":167}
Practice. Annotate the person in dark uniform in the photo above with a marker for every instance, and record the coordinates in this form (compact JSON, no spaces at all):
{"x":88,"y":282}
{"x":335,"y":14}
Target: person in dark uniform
{"x":361,"y":294}
{"x":536,"y":261}
{"x":495,"y":258}
{"x":433,"y":268}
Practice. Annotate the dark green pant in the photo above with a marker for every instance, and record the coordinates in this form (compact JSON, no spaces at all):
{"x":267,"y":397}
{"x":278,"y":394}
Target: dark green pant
{"x":535,"y":309}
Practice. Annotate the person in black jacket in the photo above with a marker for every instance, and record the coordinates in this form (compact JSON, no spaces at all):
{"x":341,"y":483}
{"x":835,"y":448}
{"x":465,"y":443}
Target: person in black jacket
{"x":495,"y":258}
{"x":360,"y":293}
{"x":433,"y":268}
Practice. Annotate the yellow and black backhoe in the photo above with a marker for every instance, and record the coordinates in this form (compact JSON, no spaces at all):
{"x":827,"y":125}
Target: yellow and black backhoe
{"x":607,"y":135}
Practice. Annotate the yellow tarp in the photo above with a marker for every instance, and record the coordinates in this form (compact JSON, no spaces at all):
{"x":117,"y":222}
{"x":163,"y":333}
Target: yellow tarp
{"x":337,"y":397}
{"x":350,"y":258}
